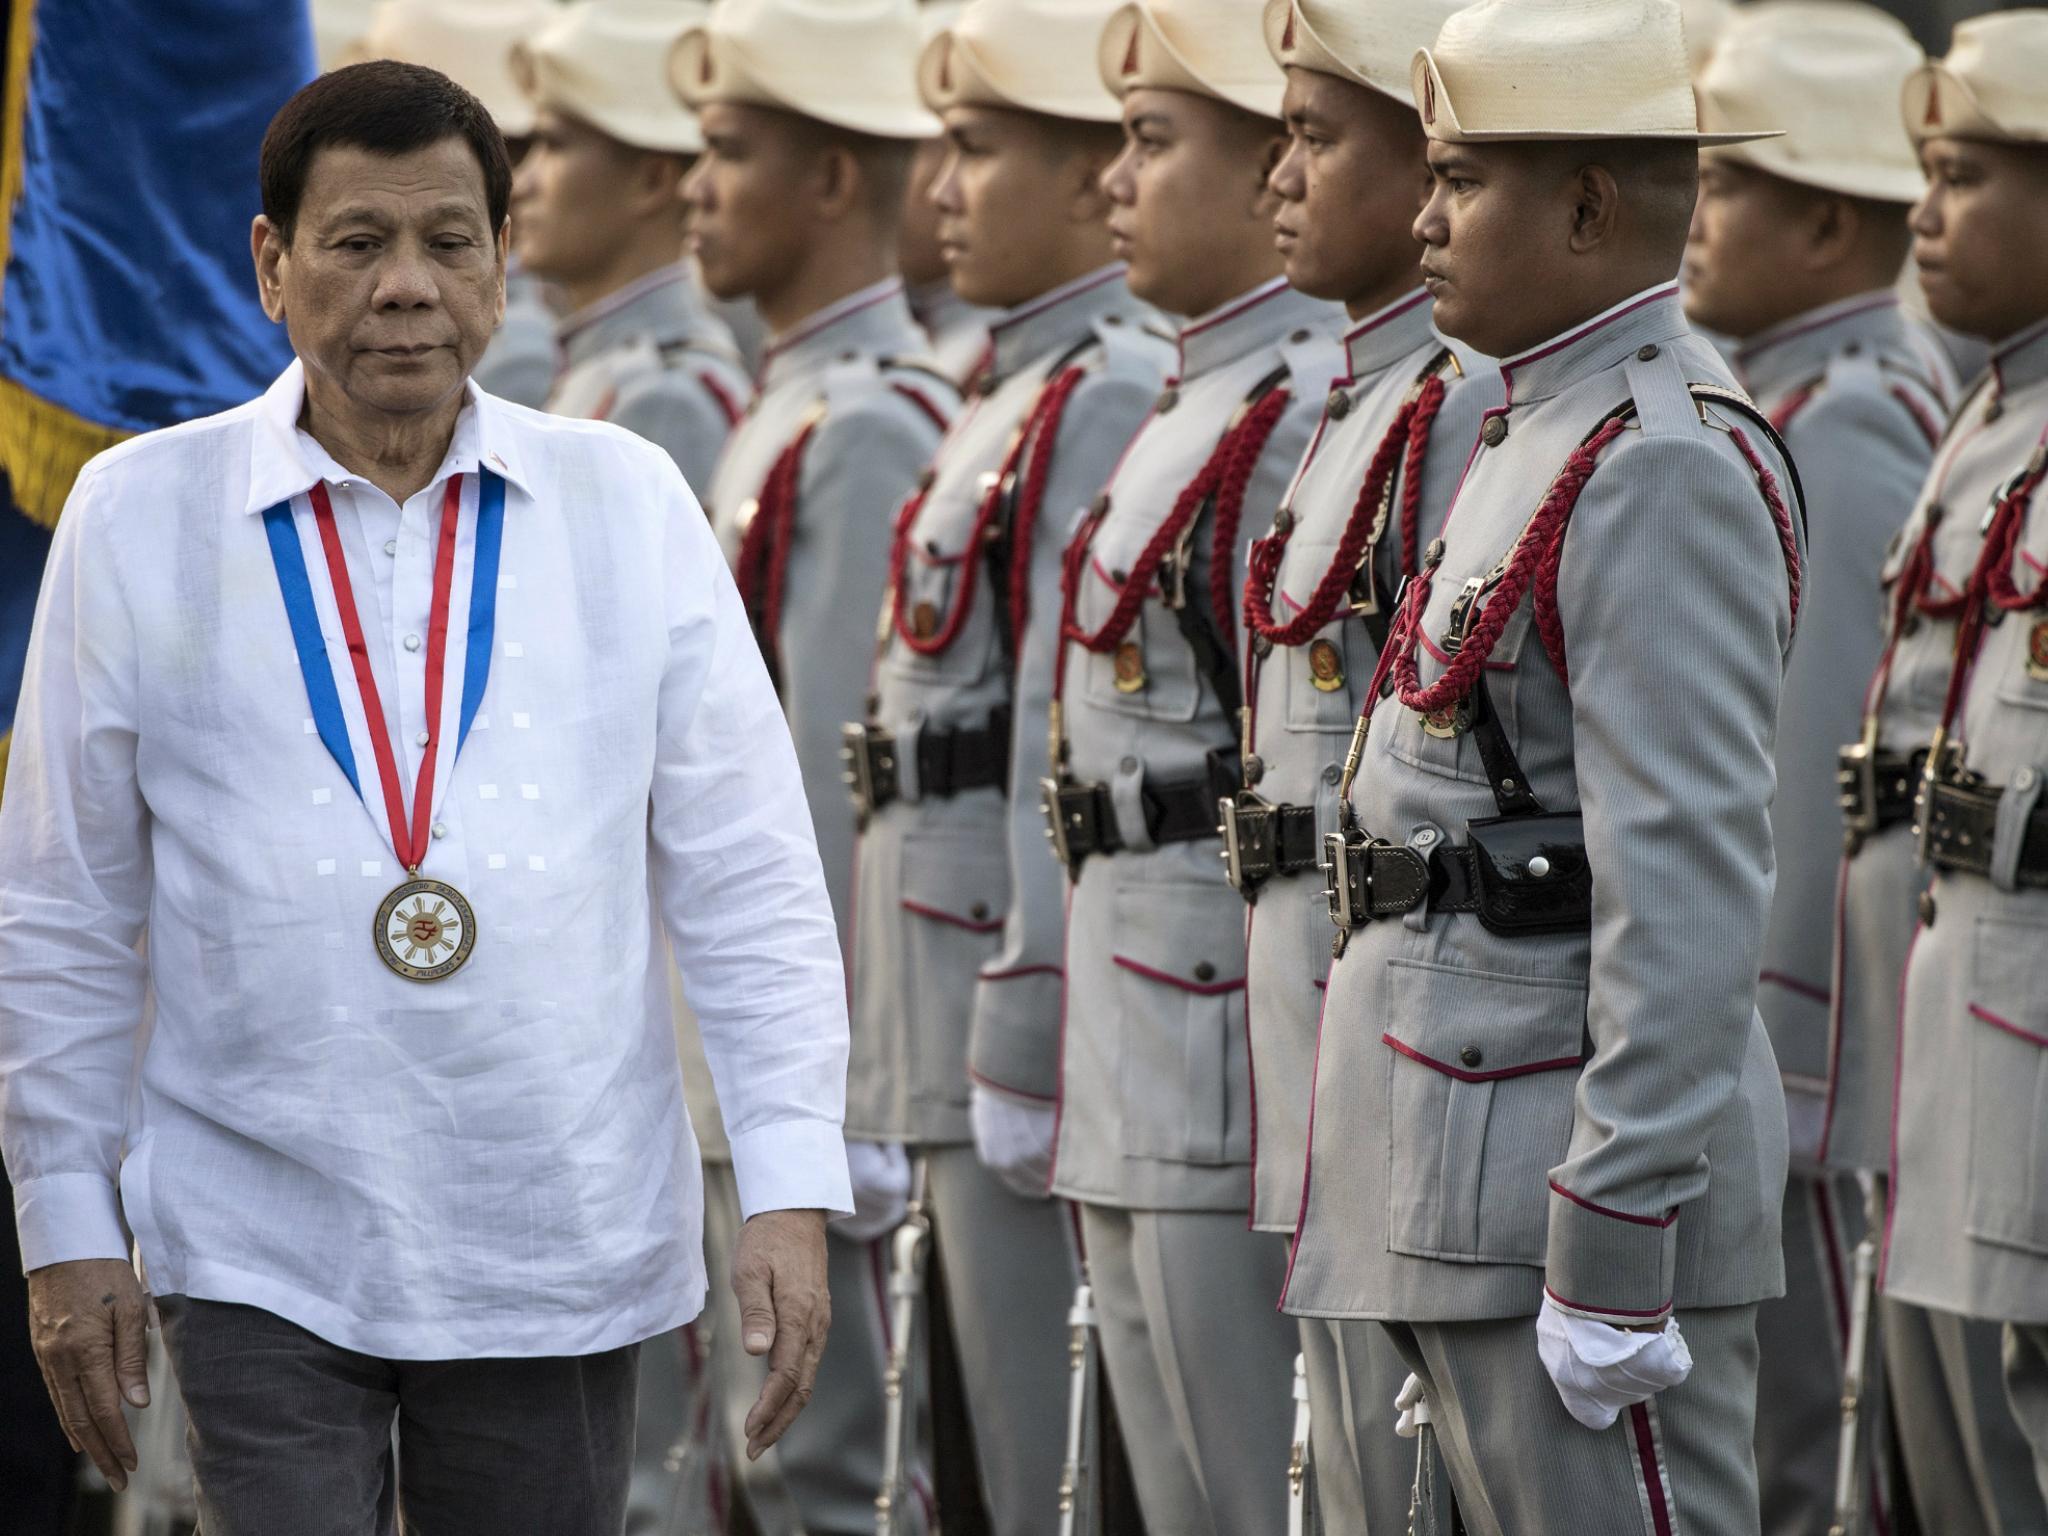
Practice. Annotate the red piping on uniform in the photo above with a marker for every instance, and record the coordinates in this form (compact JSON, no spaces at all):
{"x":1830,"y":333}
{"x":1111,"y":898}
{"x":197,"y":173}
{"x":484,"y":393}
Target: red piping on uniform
{"x":1529,"y":1069}
{"x":1018,"y":972}
{"x":1876,"y":301}
{"x":1308,"y":1161}
{"x":1891,"y":1192}
{"x":1250,"y":301}
{"x":937,"y":915}
{"x":1656,"y":295}
{"x":923,"y":402}
{"x":1581,"y":1201}
{"x":1929,"y":427}
{"x":1251,"y":1066}
{"x":1580,"y":1306}
{"x":1652,"y":1468}
{"x":1016,"y":1093}
{"x":1984,"y":1015}
{"x":727,"y":402}
{"x":1167,"y":978}
{"x":1837,"y":1009}
{"x":1794,"y":985}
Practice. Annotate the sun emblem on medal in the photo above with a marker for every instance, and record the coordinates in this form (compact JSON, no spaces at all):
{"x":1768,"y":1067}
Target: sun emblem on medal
{"x":425,"y":930}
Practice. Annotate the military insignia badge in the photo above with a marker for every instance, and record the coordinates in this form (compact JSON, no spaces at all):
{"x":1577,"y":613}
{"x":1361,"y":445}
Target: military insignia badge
{"x":924,"y":621}
{"x":1445,"y":723}
{"x":1325,"y":667}
{"x":1129,"y":667}
{"x":2037,"y":651}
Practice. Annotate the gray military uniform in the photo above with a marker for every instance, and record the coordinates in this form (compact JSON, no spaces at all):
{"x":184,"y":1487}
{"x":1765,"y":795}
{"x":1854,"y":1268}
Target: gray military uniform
{"x":652,"y":358}
{"x":853,"y":376}
{"x":1154,"y":1133}
{"x":519,"y":364}
{"x":1851,"y":389}
{"x":958,"y":906}
{"x":957,"y":330}
{"x":1969,"y":1227}
{"x":1594,"y":1115}
{"x":1304,"y":699}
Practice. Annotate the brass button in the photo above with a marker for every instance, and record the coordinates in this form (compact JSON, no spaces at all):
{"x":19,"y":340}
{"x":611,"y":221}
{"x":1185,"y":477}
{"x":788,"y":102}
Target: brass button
{"x":1471,"y":1056}
{"x":1119,"y":577}
{"x":1994,"y":410}
{"x":1205,"y":972}
{"x":1168,"y":400}
{"x":1283,"y":522}
{"x":979,"y":911}
{"x":1647,"y":353}
{"x":1494,"y":432}
{"x":1255,"y":770}
{"x":1261,"y":647}
{"x":1298,"y":338}
{"x":1101,"y":506}
{"x":925,"y":477}
{"x":1927,"y":908}
{"x":1339,"y":406}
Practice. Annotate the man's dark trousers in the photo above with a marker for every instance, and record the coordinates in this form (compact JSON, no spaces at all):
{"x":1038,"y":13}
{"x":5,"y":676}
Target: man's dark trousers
{"x":291,"y":1433}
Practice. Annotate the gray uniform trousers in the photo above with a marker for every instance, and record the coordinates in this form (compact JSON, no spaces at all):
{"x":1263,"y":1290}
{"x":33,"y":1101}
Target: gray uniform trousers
{"x":1969,"y":1470}
{"x":1800,"y":1339}
{"x":1522,"y":1466}
{"x":1010,"y":1274}
{"x":2026,"y":1383}
{"x":1363,"y":1470}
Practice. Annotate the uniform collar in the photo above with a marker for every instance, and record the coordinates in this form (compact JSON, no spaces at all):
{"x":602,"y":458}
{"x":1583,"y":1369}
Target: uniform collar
{"x":1797,"y":351}
{"x":285,"y":462}
{"x":1247,"y":323}
{"x":663,"y":307}
{"x":1057,"y":318}
{"x":1594,"y":345}
{"x":874,"y":319}
{"x":2021,"y":360}
{"x":1388,"y":334}
{"x":935,"y":306}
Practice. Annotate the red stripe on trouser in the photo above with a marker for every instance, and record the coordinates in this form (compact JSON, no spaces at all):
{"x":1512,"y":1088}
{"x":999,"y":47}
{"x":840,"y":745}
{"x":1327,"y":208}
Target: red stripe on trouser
{"x":1651,"y":1468}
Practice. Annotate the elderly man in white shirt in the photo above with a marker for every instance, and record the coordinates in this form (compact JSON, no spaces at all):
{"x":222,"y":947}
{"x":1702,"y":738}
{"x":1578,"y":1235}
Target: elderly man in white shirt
{"x":411,"y":725}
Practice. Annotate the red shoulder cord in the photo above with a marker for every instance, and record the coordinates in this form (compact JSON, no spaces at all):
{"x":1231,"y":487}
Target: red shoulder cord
{"x":763,"y":568}
{"x":1406,"y":443}
{"x":1037,"y":436}
{"x":1224,"y":477}
{"x":1991,"y":582}
{"x":1534,"y":562}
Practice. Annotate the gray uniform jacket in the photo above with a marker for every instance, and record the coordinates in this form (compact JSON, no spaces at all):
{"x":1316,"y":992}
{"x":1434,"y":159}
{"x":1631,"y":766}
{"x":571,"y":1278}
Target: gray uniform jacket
{"x":1596,"y":1113}
{"x":1987,"y":443}
{"x":1155,"y":1081}
{"x":956,"y":961}
{"x":1305,"y":698}
{"x":652,"y":358}
{"x":856,"y":375}
{"x":956,"y":329}
{"x":1850,"y":389}
{"x":519,"y":364}
{"x":1969,"y":1228}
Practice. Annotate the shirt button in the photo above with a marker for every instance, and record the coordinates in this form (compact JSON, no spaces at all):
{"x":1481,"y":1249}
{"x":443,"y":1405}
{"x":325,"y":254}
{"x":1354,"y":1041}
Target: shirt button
{"x":1128,"y":765}
{"x":1495,"y":432}
{"x":1205,"y":972}
{"x":391,"y":546}
{"x":412,"y":642}
{"x":1471,"y":1056}
{"x":1426,"y":838}
{"x":1339,"y":405}
{"x":2024,"y":779}
{"x":1168,"y":400}
{"x":1283,"y":522}
{"x":1332,"y":774}
{"x":422,"y":739}
{"x":440,"y":829}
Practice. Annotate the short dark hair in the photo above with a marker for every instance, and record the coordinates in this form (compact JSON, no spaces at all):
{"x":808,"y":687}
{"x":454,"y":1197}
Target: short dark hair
{"x":387,"y":108}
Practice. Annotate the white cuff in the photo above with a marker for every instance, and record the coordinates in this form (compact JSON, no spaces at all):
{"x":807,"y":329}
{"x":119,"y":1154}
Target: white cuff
{"x":792,"y":1165}
{"x":65,"y":1216}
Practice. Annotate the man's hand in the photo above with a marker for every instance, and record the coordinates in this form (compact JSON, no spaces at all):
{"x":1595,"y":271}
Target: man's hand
{"x":778,"y":1274}
{"x":89,"y":1320}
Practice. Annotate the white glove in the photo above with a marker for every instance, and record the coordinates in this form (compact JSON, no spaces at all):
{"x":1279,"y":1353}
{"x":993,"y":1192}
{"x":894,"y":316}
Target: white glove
{"x":881,"y":1190}
{"x":1014,"y":1140}
{"x":1413,"y":1407}
{"x":1600,"y":1369}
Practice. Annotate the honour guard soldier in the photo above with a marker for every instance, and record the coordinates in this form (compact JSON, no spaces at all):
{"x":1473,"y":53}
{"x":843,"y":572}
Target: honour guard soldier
{"x":1394,"y":437}
{"x":809,"y":116}
{"x":957,"y":966}
{"x":958,"y":330}
{"x":1794,"y":255}
{"x":1548,"y":1131}
{"x":1154,"y":1129}
{"x":596,"y":213}
{"x":472,"y":41}
{"x":1969,"y":1223}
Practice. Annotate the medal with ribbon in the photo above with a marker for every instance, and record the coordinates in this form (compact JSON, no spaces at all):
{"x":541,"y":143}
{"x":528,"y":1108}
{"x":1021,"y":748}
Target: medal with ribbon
{"x":424,"y":929}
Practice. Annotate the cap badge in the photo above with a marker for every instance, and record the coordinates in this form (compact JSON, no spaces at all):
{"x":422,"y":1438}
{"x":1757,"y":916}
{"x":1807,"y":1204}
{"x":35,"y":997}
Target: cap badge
{"x":1429,"y":98}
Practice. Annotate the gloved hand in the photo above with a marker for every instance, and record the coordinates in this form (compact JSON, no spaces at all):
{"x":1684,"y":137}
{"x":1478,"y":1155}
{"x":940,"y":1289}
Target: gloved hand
{"x":1013,"y":1138}
{"x":1600,"y":1369}
{"x":1413,"y":1408}
{"x":881,"y":1190}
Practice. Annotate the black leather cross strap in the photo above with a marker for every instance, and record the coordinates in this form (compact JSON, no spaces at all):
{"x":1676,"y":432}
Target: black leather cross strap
{"x":1877,"y":788}
{"x":949,"y":762}
{"x":1962,"y":821}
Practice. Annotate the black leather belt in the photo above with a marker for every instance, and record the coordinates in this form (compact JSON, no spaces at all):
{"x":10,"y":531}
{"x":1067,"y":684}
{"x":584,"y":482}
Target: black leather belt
{"x":949,"y":762}
{"x":1877,"y":789}
{"x":1262,"y":840}
{"x":1368,"y":879}
{"x":1962,"y":822}
{"x":1081,"y":818}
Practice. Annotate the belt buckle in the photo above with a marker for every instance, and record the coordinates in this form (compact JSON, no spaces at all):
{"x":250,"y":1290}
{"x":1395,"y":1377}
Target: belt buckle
{"x":1250,"y":828}
{"x":1347,"y":884}
{"x":1074,"y":815}
{"x":1944,"y":765}
{"x":869,"y":755}
{"x":1856,"y":775}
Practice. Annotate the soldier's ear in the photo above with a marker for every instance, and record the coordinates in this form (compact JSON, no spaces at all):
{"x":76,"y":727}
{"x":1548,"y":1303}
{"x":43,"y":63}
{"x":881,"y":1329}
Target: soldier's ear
{"x":1596,"y":208}
{"x":841,"y":182}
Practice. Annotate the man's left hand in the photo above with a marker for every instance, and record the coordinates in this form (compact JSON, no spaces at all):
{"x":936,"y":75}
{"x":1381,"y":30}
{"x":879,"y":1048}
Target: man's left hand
{"x":778,"y":1274}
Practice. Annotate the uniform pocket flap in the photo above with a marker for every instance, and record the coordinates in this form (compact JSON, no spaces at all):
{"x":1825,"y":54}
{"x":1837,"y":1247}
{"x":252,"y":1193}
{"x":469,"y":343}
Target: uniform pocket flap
{"x":1481,"y":1026}
{"x":1188,"y":938}
{"x":960,"y":881}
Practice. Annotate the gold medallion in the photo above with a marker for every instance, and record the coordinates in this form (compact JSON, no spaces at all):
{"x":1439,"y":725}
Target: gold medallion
{"x":2037,"y":651}
{"x":425,"y":930}
{"x":1444,"y":723}
{"x":1130,"y":668}
{"x":1325,"y":667}
{"x":924,"y":621}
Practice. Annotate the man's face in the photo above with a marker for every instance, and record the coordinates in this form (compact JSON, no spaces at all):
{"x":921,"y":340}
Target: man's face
{"x":1182,"y":194}
{"x":1979,"y":233}
{"x":1744,"y":241}
{"x":1004,"y":193}
{"x":1349,"y":184}
{"x":577,"y":195}
{"x":1493,"y":235}
{"x":746,"y":215}
{"x":393,"y":279}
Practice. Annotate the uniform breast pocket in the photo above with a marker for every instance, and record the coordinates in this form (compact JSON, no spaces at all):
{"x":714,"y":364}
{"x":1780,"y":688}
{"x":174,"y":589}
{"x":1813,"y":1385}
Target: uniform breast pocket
{"x":1184,"y":1072}
{"x":2025,"y":682}
{"x":933,"y":585}
{"x":1441,"y":742}
{"x":955,"y":893}
{"x":1151,"y":672}
{"x":1480,"y":1089}
{"x":2008,"y":1117}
